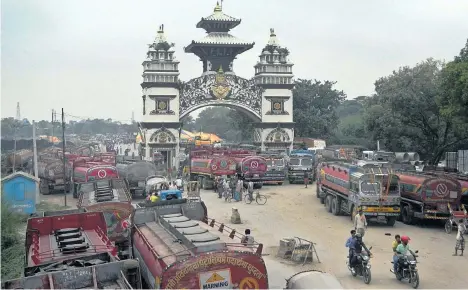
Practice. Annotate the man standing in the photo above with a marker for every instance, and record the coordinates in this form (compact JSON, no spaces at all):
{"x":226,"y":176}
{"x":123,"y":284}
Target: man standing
{"x":460,"y":245}
{"x":360,"y":223}
{"x":306,"y":178}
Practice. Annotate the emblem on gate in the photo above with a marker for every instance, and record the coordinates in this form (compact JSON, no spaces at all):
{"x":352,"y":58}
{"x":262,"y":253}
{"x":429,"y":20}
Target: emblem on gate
{"x":221,"y":88}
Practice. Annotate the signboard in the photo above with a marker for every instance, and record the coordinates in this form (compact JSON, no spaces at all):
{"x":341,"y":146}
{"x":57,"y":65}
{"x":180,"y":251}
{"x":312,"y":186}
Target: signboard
{"x":220,"y":279}
{"x":218,"y":270}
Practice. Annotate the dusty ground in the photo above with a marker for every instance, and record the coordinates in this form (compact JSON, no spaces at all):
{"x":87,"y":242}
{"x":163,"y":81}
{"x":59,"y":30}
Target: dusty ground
{"x":292,"y":210}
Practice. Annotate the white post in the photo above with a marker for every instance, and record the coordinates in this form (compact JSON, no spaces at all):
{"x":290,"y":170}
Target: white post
{"x":36,"y":172}
{"x":378,"y":145}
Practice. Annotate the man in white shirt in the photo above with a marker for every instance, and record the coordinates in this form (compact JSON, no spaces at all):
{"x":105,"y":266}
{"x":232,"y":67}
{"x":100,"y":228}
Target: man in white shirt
{"x":360,"y":223}
{"x":178,"y":182}
{"x":460,"y":245}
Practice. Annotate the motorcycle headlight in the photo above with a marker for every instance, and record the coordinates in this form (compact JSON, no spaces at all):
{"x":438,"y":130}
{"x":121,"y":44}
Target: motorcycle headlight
{"x":365,"y":258}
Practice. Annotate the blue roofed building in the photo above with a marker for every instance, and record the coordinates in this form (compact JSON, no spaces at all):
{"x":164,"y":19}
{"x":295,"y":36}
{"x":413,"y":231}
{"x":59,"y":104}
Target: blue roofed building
{"x":19,"y":192}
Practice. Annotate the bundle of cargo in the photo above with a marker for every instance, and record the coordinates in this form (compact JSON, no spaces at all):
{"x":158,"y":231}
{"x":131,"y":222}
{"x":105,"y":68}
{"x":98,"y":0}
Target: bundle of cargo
{"x":52,"y":175}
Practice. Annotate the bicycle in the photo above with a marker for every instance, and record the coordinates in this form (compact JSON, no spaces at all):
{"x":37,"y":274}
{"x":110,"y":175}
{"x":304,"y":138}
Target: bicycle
{"x":259,"y":198}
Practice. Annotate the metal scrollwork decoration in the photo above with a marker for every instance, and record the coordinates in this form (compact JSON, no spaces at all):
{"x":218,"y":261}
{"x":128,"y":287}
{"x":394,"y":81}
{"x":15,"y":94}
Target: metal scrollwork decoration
{"x":227,"y":89}
{"x":278,"y":135}
{"x":162,"y":136}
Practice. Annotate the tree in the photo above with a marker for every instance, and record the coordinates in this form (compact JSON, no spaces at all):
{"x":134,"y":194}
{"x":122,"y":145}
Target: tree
{"x":315,"y":104}
{"x":405,"y":116}
{"x":454,"y":88}
{"x":216,"y":120}
{"x":243,"y":124}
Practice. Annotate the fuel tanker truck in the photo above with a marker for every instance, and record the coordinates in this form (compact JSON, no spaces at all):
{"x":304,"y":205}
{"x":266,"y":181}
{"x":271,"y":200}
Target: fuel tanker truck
{"x":346,"y":188}
{"x":135,"y":175}
{"x":19,"y":160}
{"x":205,"y":170}
{"x":52,"y":176}
{"x":428,"y":196}
{"x":88,"y":171}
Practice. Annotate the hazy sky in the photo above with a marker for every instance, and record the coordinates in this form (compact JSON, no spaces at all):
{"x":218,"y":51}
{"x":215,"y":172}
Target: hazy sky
{"x":86,"y":55}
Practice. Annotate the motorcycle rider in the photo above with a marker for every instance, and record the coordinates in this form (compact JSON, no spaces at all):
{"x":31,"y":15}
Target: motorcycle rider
{"x":357,"y":249}
{"x":400,"y":251}
{"x":350,"y":245}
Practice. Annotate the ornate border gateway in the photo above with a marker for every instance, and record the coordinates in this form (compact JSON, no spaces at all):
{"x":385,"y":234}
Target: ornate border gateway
{"x":266,"y":98}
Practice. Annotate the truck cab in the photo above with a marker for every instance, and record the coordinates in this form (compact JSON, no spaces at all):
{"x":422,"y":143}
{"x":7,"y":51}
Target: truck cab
{"x":301,"y":161}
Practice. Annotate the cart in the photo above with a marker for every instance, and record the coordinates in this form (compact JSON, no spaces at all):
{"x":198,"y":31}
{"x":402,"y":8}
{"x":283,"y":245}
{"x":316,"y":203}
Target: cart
{"x":455,"y":216}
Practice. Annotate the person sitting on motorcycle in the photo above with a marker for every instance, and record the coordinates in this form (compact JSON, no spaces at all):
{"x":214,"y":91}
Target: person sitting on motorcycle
{"x":350,"y":245}
{"x":358,"y":245}
{"x":400,"y":251}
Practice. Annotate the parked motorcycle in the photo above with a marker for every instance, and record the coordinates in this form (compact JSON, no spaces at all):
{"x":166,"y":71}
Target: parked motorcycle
{"x":362,"y":267}
{"x":406,"y":269}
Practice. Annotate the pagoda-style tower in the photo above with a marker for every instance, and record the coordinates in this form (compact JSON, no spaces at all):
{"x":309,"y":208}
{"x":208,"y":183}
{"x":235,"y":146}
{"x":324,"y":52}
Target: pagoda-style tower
{"x":218,"y":48}
{"x":160,"y":99}
{"x":273,"y":72}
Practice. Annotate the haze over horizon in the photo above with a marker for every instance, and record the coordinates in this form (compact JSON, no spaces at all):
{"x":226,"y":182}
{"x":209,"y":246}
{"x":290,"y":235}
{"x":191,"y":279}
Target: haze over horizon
{"x":85,"y":56}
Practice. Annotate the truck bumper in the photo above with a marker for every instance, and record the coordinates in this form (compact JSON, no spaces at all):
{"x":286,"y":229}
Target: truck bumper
{"x":432,"y":215}
{"x":373,"y":211}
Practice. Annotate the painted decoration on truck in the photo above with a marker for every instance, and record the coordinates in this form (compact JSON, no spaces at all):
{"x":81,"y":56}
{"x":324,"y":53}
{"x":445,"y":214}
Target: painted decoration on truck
{"x":228,"y":270}
{"x":442,"y":189}
{"x":117,"y":216}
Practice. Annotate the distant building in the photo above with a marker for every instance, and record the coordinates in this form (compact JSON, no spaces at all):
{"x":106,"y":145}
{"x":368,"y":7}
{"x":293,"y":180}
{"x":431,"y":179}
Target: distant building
{"x":19,"y":192}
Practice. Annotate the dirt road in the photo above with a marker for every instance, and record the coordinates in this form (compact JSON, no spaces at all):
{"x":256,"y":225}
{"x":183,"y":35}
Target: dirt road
{"x":292,"y":210}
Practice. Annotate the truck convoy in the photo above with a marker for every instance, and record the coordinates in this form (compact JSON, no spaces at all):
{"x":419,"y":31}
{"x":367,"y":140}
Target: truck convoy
{"x":207,"y":254}
{"x":346,"y":188}
{"x":301,"y":161}
{"x":276,"y":168}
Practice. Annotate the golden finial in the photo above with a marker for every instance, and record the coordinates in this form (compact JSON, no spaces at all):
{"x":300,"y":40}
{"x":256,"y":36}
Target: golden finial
{"x":220,"y":70}
{"x":272,"y":32}
{"x":218,"y":8}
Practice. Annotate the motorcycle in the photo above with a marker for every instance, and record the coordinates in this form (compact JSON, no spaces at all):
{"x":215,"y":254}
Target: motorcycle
{"x":406,"y":269}
{"x":362,"y":267}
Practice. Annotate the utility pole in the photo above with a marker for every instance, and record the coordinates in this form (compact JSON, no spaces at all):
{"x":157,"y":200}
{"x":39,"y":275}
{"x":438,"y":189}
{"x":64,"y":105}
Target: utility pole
{"x":36,"y":173}
{"x":65,"y":180}
{"x":53,"y":125}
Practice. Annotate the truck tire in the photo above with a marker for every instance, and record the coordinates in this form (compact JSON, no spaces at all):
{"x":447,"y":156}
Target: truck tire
{"x":322,"y":200}
{"x":280,"y":183}
{"x":317,"y":191}
{"x":75,"y":193}
{"x":328,"y":203}
{"x":336,"y":205}
{"x":407,"y":215}
{"x":391,"y":221}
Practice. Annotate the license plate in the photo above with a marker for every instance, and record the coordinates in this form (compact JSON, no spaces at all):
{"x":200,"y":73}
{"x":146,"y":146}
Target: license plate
{"x":141,"y":184}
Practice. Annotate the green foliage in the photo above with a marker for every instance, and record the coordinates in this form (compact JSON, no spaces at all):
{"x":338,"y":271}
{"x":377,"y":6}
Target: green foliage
{"x":12,"y":243}
{"x":219,"y":121}
{"x":454,"y":88}
{"x":315,"y":105}
{"x":96,"y":126}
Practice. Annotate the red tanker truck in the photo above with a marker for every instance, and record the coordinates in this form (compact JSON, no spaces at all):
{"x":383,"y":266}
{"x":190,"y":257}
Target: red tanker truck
{"x":425,"y":196}
{"x":345,"y":188}
{"x":206,"y":169}
{"x":206,"y":254}
{"x":91,"y":171}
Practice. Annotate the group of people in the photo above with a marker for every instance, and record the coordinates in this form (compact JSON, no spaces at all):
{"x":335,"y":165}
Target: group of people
{"x":233,"y":186}
{"x":153,"y":196}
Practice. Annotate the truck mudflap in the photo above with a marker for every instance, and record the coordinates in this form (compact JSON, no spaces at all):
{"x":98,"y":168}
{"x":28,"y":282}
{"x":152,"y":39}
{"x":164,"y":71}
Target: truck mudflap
{"x":217,"y":270}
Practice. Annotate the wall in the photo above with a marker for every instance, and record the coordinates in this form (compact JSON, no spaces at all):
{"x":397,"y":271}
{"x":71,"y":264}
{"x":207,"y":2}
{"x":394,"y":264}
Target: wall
{"x":19,"y":202}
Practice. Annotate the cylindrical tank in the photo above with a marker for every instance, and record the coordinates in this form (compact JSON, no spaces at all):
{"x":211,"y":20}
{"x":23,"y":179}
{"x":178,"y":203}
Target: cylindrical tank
{"x":413,"y":156}
{"x":137,"y":171}
{"x":402,"y":156}
{"x":19,"y":158}
{"x":52,"y":169}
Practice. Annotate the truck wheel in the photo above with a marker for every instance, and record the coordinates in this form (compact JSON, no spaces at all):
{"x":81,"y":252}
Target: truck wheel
{"x":291,"y":181}
{"x":391,"y":221}
{"x":322,"y":200}
{"x":75,"y":193}
{"x":317,"y":191}
{"x":329,"y":202}
{"x":280,"y":183}
{"x":406,"y":215}
{"x":336,"y":205}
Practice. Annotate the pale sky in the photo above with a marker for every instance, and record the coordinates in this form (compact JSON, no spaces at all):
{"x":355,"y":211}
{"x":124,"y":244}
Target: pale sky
{"x":86,"y":55}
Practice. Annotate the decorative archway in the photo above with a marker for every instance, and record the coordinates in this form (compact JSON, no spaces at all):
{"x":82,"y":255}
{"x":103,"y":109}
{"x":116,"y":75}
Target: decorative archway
{"x":266,"y":98}
{"x":220,"y":89}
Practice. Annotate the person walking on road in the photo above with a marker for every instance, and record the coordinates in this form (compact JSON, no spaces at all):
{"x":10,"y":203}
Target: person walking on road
{"x":306,"y":178}
{"x":460,"y":245}
{"x":360,"y":223}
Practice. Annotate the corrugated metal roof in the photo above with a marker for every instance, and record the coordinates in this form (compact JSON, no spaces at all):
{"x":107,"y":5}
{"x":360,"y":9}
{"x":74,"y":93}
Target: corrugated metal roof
{"x":221,"y":38}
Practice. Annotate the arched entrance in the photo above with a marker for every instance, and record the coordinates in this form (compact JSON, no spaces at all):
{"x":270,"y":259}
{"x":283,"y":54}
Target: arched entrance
{"x":266,"y":98}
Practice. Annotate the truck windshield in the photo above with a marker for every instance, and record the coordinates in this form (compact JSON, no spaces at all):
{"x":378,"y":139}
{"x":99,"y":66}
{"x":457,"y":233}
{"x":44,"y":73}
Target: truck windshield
{"x":294,"y":161}
{"x":306,"y":162}
{"x":269,"y":162}
{"x":370,"y":187}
